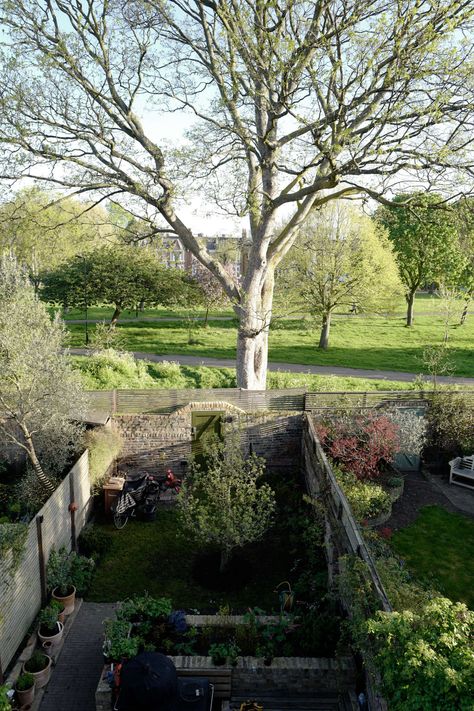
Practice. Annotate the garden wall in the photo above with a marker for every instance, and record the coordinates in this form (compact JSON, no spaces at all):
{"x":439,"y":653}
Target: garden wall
{"x":159,"y":442}
{"x":21,"y":596}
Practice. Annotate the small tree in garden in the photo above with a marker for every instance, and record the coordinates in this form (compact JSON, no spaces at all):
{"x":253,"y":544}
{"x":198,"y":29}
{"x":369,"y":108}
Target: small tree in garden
{"x":361,"y":444}
{"x":224,"y":504}
{"x":40,"y":395}
{"x":450,"y":426}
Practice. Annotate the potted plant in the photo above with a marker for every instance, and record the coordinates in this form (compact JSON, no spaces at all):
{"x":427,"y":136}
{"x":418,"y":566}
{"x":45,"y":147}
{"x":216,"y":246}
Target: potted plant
{"x":50,"y":629}
{"x":25,"y":688}
{"x":39,"y":665}
{"x":67,"y":573}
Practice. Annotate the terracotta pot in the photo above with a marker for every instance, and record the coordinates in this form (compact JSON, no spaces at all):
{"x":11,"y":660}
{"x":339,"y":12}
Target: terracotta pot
{"x":52,"y":638}
{"x":41,"y":677}
{"x":25,"y":698}
{"x":66,"y":601}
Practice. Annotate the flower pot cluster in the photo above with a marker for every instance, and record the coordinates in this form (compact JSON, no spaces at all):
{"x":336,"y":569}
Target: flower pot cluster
{"x":68,"y":573}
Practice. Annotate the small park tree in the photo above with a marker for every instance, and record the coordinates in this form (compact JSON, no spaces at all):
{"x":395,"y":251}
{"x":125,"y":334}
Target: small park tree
{"x":123,"y":276}
{"x":425,"y":243}
{"x":211,"y":292}
{"x":223,"y":503}
{"x":40,"y":396}
{"x":341,"y":260}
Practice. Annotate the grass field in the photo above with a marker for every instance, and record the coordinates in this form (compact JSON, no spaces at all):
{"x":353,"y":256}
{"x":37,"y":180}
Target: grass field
{"x":439,"y":547}
{"x":370,"y":342}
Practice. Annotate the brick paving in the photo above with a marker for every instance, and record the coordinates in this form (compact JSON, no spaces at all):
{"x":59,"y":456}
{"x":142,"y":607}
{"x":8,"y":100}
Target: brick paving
{"x":76,"y":674}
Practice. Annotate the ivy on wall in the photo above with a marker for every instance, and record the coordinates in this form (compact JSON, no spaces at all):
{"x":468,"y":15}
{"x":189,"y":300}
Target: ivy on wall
{"x":12,"y":545}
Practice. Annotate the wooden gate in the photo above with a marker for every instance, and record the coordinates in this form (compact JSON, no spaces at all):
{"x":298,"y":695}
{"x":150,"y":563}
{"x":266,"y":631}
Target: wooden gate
{"x":205,"y":425}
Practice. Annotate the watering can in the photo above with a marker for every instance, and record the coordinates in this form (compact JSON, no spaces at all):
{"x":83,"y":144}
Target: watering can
{"x":286,"y":596}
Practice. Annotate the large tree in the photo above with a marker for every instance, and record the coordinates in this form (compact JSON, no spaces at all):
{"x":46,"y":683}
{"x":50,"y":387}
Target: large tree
{"x":124,"y":276}
{"x":43,"y":230}
{"x":295,"y":103}
{"x":425,"y":241}
{"x":341,"y":260}
{"x":40,"y":396}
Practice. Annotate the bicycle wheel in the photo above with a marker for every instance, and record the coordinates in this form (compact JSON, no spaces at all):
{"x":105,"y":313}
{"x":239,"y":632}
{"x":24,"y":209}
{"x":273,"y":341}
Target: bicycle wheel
{"x":121,"y":519}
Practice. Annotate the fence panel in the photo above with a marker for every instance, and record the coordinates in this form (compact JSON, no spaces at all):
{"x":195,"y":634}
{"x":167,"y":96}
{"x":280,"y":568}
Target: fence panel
{"x":20,"y":595}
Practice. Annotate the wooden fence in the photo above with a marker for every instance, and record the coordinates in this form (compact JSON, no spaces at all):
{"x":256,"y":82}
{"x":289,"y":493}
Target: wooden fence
{"x":165,"y":401}
{"x":54,"y":526}
{"x":127,"y":402}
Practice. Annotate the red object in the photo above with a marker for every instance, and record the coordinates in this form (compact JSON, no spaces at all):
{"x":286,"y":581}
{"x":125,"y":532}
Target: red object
{"x":73,"y":506}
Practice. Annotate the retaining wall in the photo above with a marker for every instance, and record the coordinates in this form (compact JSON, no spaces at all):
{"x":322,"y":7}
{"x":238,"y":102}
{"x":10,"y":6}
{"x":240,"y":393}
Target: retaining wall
{"x":21,"y":596}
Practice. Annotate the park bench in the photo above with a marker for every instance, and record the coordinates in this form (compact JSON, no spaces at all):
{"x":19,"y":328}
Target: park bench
{"x":462,"y":471}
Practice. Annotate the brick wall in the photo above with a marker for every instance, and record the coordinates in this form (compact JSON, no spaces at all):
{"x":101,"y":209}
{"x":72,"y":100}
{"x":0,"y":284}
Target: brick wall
{"x":20,"y":596}
{"x":157,"y":442}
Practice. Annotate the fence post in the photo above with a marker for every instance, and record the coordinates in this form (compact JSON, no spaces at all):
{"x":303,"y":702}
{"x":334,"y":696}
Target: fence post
{"x":41,"y":560}
{"x":72,"y":511}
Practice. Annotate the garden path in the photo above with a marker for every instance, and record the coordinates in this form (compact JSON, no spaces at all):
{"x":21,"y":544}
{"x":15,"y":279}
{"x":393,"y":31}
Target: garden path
{"x":77,"y":671}
{"x":426,"y":490}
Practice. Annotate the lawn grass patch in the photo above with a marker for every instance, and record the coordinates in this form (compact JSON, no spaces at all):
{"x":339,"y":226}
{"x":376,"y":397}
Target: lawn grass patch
{"x":371,"y":342}
{"x":156,"y":557}
{"x":439,"y":547}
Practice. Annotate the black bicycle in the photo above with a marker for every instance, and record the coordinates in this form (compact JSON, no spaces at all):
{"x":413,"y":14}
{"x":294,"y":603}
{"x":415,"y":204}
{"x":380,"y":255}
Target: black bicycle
{"x":141,"y":494}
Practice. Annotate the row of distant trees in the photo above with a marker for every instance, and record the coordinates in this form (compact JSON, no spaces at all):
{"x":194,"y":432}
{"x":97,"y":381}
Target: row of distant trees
{"x":80,"y":255}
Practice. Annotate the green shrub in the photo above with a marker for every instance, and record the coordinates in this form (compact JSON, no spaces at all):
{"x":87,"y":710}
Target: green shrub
{"x":104,"y":445}
{"x":109,"y":369}
{"x":425,"y":659}
{"x":450,"y":421}
{"x":66,"y":569}
{"x":24,"y":682}
{"x":94,"y":541}
{"x":367,"y":500}
{"x":12,"y":546}
{"x":394,"y":482}
{"x":222,"y":652}
{"x":37,"y":662}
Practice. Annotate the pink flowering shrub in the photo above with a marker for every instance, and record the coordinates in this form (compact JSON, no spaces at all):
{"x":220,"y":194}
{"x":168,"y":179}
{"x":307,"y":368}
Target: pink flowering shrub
{"x":362,"y":444}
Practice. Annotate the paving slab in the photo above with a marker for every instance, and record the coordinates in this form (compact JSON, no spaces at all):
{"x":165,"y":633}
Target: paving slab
{"x":77,"y":671}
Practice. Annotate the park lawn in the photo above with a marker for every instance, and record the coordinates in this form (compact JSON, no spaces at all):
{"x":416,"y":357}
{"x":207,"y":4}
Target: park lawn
{"x":371,"y":342}
{"x":439,"y":547}
{"x":157,"y":558}
{"x":104,"y":313}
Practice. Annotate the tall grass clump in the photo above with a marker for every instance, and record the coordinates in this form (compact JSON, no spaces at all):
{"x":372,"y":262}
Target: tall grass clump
{"x":104,"y":446}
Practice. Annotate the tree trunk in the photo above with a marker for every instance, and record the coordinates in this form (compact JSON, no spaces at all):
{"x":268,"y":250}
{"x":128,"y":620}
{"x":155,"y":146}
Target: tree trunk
{"x":225,"y":560}
{"x":207,"y":315}
{"x":326,"y":327}
{"x":410,"y":303}
{"x":464,"y":311}
{"x":252,"y":339}
{"x":45,"y":482}
{"x":115,"y":316}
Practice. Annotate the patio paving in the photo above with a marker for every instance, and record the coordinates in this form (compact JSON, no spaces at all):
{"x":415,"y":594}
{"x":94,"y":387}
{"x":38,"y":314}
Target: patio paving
{"x":77,"y":671}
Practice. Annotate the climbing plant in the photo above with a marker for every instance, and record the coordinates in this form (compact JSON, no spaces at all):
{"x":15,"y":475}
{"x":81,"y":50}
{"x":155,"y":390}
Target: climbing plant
{"x":12,"y":546}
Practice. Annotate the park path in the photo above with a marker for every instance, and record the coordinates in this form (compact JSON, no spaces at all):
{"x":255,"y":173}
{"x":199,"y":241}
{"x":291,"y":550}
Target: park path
{"x":171,"y":319}
{"x":289,"y":367}
{"x":77,"y":671}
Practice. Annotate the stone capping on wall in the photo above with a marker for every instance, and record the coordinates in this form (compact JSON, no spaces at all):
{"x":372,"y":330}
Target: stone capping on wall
{"x":341,"y":510}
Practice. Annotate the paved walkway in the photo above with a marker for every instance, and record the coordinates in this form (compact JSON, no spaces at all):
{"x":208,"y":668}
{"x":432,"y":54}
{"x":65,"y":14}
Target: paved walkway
{"x":76,"y":674}
{"x":289,"y":367}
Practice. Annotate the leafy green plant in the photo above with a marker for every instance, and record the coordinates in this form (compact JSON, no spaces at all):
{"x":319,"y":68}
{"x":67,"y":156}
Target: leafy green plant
{"x":104,"y":445}
{"x":48,"y":618}
{"x":394,"y":482}
{"x":224,"y":652}
{"x":144,"y":607}
{"x":94,"y":541}
{"x":118,"y":643}
{"x":426,"y":659}
{"x":65,"y":570}
{"x":24,"y":682}
{"x":367,"y":500}
{"x":37,"y":662}
{"x":5,"y":704}
{"x":12,"y":546}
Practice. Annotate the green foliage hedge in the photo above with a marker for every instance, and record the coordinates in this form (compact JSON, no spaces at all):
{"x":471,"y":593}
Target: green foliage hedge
{"x":367,"y":500}
{"x":104,"y":446}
